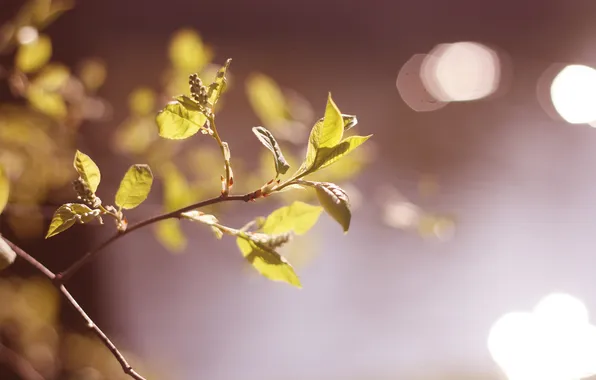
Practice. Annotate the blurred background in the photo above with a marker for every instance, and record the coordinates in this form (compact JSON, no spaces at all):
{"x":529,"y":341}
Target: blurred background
{"x":474,"y":199}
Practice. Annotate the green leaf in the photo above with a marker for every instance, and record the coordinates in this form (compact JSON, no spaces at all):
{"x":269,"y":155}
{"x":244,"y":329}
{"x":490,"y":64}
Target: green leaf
{"x":187,"y":51}
{"x":219,"y":85}
{"x":330,"y":131}
{"x":33,"y":56}
{"x":88,"y":170}
{"x":170,"y":235}
{"x":327,"y":132}
{"x":7,"y":255}
{"x":49,"y":102}
{"x":298,"y":217}
{"x":177,"y":122}
{"x":335,"y":201}
{"x":267,"y":262}
{"x":327,"y":156}
{"x":267,"y":139}
{"x":67,"y":215}
{"x":142,"y":101}
{"x":4,"y":189}
{"x":135,"y":187}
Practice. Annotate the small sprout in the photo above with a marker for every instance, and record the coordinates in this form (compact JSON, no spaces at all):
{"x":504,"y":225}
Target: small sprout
{"x":85,"y":194}
{"x":197,"y":90}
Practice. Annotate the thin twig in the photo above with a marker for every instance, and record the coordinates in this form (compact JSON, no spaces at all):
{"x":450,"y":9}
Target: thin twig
{"x":100,"y":334}
{"x":228,"y":168}
{"x":19,"y":364}
{"x":87,"y":257}
{"x":90,"y":324}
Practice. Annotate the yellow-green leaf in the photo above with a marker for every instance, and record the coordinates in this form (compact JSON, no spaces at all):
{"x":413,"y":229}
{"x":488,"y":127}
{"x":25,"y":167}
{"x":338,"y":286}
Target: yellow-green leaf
{"x":67,"y":215}
{"x":142,"y":101}
{"x":178,"y":122}
{"x":88,"y":170}
{"x":7,"y":255}
{"x":219,"y":84}
{"x":48,"y":102}
{"x":335,"y":201}
{"x":298,"y":217}
{"x":134,"y":187}
{"x":170,"y":235}
{"x":267,"y":139}
{"x":34,"y":55}
{"x":327,"y":156}
{"x":4,"y":189}
{"x":187,"y":51}
{"x":267,"y":262}
{"x":330,"y":131}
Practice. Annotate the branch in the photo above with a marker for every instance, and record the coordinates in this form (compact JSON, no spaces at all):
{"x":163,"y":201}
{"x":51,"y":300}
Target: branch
{"x":90,"y":324}
{"x":228,"y":180}
{"x":20,"y":365}
{"x":64,"y":276}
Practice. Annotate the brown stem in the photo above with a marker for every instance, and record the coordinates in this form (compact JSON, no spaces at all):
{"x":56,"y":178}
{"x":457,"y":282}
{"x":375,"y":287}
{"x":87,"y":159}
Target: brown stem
{"x":64,"y":276}
{"x":20,"y":365}
{"x":100,"y":334}
{"x":90,"y":324}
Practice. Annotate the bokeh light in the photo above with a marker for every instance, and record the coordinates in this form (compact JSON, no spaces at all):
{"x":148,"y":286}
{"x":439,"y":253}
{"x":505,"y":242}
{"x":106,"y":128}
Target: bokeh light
{"x":412,"y":90}
{"x":27,"y":35}
{"x":573,"y":93}
{"x":461,"y":71}
{"x":553,"y":342}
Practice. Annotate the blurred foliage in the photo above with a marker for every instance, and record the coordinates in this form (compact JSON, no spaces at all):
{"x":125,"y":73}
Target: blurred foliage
{"x":29,"y":326}
{"x":38,"y":130}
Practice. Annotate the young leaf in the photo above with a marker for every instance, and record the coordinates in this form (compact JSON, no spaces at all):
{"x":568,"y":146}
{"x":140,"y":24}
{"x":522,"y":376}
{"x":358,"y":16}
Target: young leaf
{"x":32,"y":56}
{"x":67,"y":215}
{"x":330,"y":131}
{"x":267,"y":262}
{"x":7,"y":255}
{"x":134,"y":187}
{"x":88,"y":170}
{"x":326,"y":133}
{"x":335,"y":201}
{"x":177,"y":121}
{"x":4,"y":189}
{"x":327,"y":156}
{"x":219,"y":85}
{"x":207,"y":219}
{"x":298,"y":217}
{"x":267,"y":139}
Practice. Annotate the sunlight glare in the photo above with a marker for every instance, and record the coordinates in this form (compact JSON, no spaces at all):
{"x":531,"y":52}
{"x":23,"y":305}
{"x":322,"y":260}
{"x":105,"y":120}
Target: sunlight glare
{"x":461,"y":71}
{"x":553,"y":342}
{"x":573,"y":93}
